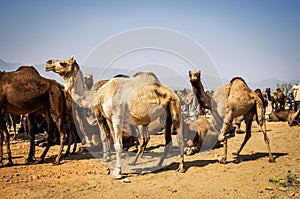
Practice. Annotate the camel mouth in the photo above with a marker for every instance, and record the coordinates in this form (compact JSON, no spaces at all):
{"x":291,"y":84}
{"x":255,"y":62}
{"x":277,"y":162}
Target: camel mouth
{"x":49,"y":68}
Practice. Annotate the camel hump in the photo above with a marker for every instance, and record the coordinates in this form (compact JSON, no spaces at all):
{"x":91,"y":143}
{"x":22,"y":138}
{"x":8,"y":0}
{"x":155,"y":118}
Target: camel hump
{"x":237,"y":78}
{"x":121,"y":75}
{"x":27,"y":78}
{"x":29,"y":69}
{"x":146,"y":77}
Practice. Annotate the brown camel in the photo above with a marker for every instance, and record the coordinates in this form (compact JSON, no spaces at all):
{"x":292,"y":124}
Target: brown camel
{"x":25,"y":92}
{"x":277,"y":99}
{"x":231,"y":101}
{"x":238,"y":120}
{"x":136,"y":100}
{"x":196,"y":133}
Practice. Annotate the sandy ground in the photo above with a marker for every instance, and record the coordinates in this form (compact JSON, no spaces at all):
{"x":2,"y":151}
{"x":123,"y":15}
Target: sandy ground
{"x":83,"y":176}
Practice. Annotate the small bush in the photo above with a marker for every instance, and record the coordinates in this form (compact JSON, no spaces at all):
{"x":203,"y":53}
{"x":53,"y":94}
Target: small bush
{"x":289,"y":179}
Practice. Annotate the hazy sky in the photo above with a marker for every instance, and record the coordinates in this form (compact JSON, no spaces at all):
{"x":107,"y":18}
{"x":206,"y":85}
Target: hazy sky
{"x":253,"y":39}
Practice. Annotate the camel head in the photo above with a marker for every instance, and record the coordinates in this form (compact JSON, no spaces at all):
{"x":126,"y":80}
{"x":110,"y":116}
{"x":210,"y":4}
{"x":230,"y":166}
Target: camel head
{"x":194,"y":75}
{"x":63,"y":67}
{"x":88,"y":80}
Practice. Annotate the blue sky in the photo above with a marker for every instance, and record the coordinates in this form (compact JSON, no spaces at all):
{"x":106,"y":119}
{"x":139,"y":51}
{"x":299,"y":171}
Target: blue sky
{"x":258,"y":39}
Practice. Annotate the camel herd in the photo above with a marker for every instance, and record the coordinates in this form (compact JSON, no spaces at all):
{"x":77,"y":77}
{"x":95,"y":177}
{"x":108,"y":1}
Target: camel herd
{"x":136,"y":103}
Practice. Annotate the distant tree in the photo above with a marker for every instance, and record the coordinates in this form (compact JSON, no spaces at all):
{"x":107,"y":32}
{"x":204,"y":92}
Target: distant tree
{"x":285,"y":88}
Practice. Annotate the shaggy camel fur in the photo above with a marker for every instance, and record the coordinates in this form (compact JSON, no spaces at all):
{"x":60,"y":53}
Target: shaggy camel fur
{"x":239,"y":100}
{"x":25,"y":92}
{"x":136,"y":100}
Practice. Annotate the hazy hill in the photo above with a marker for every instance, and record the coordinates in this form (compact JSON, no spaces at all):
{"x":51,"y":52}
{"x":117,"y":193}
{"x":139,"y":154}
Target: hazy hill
{"x":172,"y":80}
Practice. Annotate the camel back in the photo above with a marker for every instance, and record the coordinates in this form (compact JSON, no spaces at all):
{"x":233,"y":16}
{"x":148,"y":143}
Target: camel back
{"x":237,"y":92}
{"x":26,"y":80}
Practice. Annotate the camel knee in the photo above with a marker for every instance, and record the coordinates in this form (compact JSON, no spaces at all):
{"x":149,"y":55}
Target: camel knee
{"x":118,"y":147}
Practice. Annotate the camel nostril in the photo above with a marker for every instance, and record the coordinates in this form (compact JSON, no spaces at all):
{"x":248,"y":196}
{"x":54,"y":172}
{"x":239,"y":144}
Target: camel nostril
{"x":49,"y":62}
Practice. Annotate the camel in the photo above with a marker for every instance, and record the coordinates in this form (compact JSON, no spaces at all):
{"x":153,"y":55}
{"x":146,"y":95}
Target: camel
{"x":231,"y":101}
{"x":88,"y":80}
{"x":136,"y":100}
{"x":25,"y":92}
{"x":277,"y":99}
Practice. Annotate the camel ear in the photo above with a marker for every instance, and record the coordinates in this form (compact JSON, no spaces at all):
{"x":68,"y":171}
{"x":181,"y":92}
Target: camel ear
{"x":190,"y":72}
{"x":72,"y":59}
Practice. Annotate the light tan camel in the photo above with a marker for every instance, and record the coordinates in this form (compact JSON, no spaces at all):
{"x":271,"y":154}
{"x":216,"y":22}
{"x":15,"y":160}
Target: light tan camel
{"x":136,"y":100}
{"x":239,"y":100}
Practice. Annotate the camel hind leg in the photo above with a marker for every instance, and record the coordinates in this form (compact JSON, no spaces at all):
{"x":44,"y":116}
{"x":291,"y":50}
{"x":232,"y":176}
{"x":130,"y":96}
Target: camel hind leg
{"x":248,"y":121}
{"x":145,"y":138}
{"x":168,"y":138}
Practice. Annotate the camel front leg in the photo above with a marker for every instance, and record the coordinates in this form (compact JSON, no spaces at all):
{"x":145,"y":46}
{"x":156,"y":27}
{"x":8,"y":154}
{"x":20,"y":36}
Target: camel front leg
{"x":118,"y":145}
{"x":224,"y":158}
{"x":7,"y":143}
{"x":115,"y":127}
{"x":31,"y":139}
{"x":225,"y":130}
{"x":267,"y":141}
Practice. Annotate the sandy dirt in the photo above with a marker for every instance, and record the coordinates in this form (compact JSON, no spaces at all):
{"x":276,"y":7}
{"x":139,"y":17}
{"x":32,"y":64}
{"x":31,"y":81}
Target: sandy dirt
{"x":83,"y":176}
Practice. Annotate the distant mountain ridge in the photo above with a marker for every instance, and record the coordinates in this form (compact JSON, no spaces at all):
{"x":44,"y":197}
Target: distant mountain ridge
{"x":175,"y":82}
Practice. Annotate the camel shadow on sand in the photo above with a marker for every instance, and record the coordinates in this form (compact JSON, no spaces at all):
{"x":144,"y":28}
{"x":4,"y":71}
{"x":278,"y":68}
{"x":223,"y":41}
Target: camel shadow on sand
{"x":258,"y":155}
{"x":203,"y":163}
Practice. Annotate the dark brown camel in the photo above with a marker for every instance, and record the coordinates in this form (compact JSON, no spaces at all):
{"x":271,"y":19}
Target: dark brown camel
{"x":277,"y":99}
{"x":25,"y":92}
{"x":236,"y":99}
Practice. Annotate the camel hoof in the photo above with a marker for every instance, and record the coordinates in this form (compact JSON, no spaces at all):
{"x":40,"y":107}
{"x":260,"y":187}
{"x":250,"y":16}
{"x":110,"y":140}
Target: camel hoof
{"x":181,"y":169}
{"x":132,"y":163}
{"x":237,"y":160}
{"x":223,"y":161}
{"x":30,"y":161}
{"x":235,"y":154}
{"x":272,"y":160}
{"x":55,"y":163}
{"x":117,"y":174}
{"x":40,"y":162}
{"x":10,"y":163}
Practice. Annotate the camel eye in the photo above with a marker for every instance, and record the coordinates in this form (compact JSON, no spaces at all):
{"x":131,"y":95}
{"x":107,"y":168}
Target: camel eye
{"x":63,"y":64}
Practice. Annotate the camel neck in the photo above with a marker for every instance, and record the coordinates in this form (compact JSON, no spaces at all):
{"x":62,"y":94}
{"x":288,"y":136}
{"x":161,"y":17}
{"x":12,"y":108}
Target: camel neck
{"x":202,"y":97}
{"x":74,"y":81}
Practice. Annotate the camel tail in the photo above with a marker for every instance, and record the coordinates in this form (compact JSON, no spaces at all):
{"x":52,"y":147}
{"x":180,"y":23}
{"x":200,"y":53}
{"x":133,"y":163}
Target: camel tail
{"x":260,"y":113}
{"x":177,"y":122}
